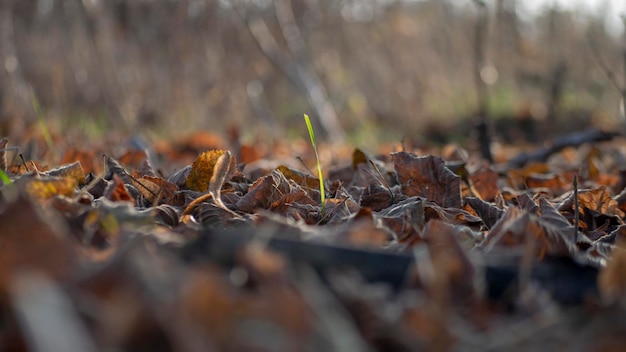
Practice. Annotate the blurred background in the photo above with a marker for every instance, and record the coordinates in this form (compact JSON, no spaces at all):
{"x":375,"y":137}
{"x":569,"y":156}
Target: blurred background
{"x":367,"y":71}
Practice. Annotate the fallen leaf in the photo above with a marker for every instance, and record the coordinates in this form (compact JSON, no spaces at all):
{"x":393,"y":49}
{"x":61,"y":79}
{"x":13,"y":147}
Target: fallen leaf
{"x":32,"y":239}
{"x":45,"y":187}
{"x":202,"y":170}
{"x":428,"y":177}
{"x":487,"y":212}
{"x":484,"y":183}
{"x":74,"y":171}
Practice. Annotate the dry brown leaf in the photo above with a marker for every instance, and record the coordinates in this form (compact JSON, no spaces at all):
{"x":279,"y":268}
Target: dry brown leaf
{"x":117,"y":191}
{"x":87,"y":158}
{"x":516,"y":227}
{"x":453,"y":273}
{"x":74,"y":171}
{"x":149,"y":190}
{"x":377,"y":197}
{"x":599,"y":200}
{"x":267,"y":190}
{"x":33,"y":240}
{"x":517,"y":177}
{"x":45,"y":187}
{"x":364,"y":233}
{"x":525,"y":202}
{"x":452,"y":215}
{"x":359,"y":157}
{"x":134,"y":159}
{"x":555,"y":183}
{"x":487,"y":212}
{"x":297,"y":205}
{"x":28,"y":167}
{"x":405,"y":219}
{"x":428,"y":177}
{"x":3,"y":154}
{"x":300,"y":178}
{"x":612,"y":278}
{"x":484,"y":183}
{"x":115,"y":168}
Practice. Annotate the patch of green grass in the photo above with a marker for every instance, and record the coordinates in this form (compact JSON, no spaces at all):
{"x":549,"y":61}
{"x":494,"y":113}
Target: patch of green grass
{"x":317,"y":158}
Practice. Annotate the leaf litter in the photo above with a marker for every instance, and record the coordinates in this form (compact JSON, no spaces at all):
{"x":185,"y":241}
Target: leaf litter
{"x":408,"y":251}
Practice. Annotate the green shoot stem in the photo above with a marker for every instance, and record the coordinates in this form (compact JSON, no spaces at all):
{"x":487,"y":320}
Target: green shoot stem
{"x":5,"y":178}
{"x":317,"y":158}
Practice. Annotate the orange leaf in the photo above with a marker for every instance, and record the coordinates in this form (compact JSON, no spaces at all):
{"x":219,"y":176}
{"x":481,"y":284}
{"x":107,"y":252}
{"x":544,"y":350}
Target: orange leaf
{"x":202,"y":170}
{"x":47,"y":186}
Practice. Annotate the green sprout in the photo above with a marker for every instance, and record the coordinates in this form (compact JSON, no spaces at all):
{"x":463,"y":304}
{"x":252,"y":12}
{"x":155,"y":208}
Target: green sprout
{"x":317,"y":158}
{"x":5,"y":178}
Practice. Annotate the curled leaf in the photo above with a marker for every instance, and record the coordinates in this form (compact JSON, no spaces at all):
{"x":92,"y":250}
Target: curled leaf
{"x":201,"y":172}
{"x":74,"y":171}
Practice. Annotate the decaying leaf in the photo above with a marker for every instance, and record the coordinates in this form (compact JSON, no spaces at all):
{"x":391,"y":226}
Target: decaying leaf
{"x":405,"y":219}
{"x":519,"y":228}
{"x":154,"y":188}
{"x":297,"y":205}
{"x":599,"y":200}
{"x":487,"y":212}
{"x":377,"y":197}
{"x":3,"y":154}
{"x":517,"y":177}
{"x":115,"y":168}
{"x":612,"y":278}
{"x":428,"y":177}
{"x":32,"y":239}
{"x":267,"y":190}
{"x":117,"y":191}
{"x":358,"y":157}
{"x":45,"y":187}
{"x":29,"y":166}
{"x":484,"y":183}
{"x":452,"y":271}
{"x":87,"y":158}
{"x":74,"y":171}
{"x":300,"y":178}
{"x":213,"y":259}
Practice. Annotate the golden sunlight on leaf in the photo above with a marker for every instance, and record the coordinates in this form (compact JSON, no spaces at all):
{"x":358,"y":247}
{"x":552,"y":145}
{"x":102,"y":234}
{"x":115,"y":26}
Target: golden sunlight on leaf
{"x":45,"y":187}
{"x":74,"y":171}
{"x":300,"y":178}
{"x":202,"y":170}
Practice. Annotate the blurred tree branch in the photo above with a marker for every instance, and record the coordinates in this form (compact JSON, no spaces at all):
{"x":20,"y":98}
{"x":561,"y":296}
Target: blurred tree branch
{"x":610,"y":74}
{"x":296,"y":65}
{"x":12,"y":63}
{"x":480,"y":49}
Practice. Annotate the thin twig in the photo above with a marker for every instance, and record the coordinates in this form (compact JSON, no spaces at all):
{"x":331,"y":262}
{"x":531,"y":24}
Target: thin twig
{"x":576,"y":212}
{"x":605,"y":68}
{"x":24,"y":162}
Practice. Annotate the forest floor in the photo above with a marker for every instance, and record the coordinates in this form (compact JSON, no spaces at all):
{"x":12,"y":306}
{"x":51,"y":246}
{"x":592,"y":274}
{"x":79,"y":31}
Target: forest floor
{"x":194,"y":245}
